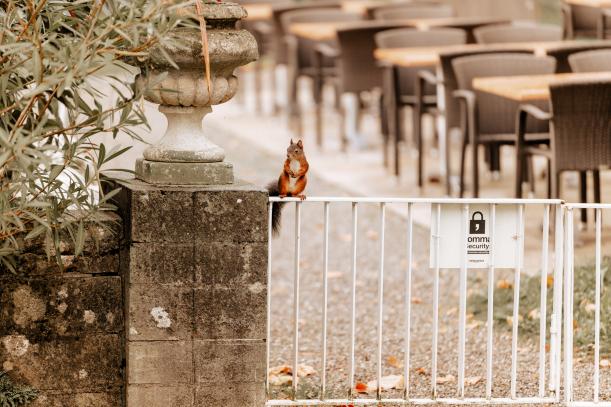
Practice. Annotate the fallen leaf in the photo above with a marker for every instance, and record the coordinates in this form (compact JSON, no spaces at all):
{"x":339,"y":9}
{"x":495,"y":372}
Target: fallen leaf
{"x":421,"y":371}
{"x":360,"y":387}
{"x":605,"y":363}
{"x":372,"y":235}
{"x":472,"y":381}
{"x":509,"y":320}
{"x":550,"y":280}
{"x":305,"y":370}
{"x":334,"y":274}
{"x":386,"y":383}
{"x":446,"y":379}
{"x":534,"y":313}
{"x":393,"y":361}
{"x":474,"y":324}
{"x":282,"y":380}
{"x":547,"y":347}
{"x":504,"y":284}
{"x":345,"y":237}
{"x":416,"y":300}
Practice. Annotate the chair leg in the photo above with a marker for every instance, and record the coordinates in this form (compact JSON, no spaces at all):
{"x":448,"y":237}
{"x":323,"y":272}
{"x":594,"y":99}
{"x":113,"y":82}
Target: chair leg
{"x":549,"y":179}
{"x":583,"y":194}
{"x":384,"y":127}
{"x":463,"y":159}
{"x":258,"y":87}
{"x":342,"y":126}
{"x":417,"y":136}
{"x":597,"y":191}
{"x":475,"y":169}
{"x":531,"y":175}
{"x":274,"y":90}
{"x":398,"y":129}
{"x":318,"y":101}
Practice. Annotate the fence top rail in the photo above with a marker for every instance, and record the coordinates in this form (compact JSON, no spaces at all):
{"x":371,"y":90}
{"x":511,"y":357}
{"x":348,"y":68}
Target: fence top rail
{"x":473,"y":201}
{"x":587,"y":205}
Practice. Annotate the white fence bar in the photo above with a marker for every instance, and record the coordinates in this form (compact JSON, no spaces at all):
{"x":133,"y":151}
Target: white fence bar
{"x":462,"y":316}
{"x":516,"y":300}
{"x":325,"y":291}
{"x":540,"y":395}
{"x":543,"y":306}
{"x":381,"y":299}
{"x":568,"y":307}
{"x":408,"y":300}
{"x":269,"y":292}
{"x":296,"y":298}
{"x":490,"y":310}
{"x":353,"y":296}
{"x":437,"y":237}
{"x":597,"y":305}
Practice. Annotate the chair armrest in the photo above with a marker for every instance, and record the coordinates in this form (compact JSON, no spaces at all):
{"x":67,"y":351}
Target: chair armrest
{"x":327,"y":50}
{"x":469,"y":120}
{"x":429,"y":77}
{"x":535,"y":112}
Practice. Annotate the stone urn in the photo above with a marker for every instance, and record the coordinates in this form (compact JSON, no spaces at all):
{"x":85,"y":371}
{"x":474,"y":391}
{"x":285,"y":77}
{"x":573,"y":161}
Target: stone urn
{"x":184,"y":156}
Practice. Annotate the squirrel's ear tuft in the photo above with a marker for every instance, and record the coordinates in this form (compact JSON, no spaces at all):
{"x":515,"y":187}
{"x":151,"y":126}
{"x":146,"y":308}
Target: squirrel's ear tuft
{"x":292,"y":141}
{"x":300,"y":144}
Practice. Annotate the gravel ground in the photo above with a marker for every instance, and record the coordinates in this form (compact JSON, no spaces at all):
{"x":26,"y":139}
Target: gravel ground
{"x":260,"y":168}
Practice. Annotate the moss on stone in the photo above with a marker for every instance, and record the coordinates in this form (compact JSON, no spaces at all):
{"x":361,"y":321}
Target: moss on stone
{"x":12,"y":395}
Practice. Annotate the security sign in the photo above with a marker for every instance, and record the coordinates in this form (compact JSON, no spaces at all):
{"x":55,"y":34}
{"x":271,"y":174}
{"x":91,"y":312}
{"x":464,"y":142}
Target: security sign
{"x":468,"y":237}
{"x":477,"y":226}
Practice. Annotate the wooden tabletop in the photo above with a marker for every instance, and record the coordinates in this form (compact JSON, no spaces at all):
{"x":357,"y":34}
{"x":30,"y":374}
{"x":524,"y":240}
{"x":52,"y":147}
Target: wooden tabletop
{"x":591,"y":3}
{"x":429,"y":56}
{"x":533,"y":87}
{"x":324,"y":31}
{"x":259,"y":11}
{"x":362,"y":6}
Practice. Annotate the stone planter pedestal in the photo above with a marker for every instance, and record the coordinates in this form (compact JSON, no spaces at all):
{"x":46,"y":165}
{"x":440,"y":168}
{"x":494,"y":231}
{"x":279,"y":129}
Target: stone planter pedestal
{"x":195,"y":250}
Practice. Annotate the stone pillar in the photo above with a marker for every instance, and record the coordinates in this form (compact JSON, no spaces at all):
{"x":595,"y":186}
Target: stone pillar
{"x":195,"y":267}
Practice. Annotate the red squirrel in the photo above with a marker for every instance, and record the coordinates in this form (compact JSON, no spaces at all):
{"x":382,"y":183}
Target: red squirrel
{"x":292,"y":181}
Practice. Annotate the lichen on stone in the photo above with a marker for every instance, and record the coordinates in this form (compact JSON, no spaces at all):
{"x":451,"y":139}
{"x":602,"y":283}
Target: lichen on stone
{"x":12,"y":395}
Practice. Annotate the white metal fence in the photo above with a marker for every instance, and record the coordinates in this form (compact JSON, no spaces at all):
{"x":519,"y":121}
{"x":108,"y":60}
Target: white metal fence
{"x":549,"y":348}
{"x":592,"y":397}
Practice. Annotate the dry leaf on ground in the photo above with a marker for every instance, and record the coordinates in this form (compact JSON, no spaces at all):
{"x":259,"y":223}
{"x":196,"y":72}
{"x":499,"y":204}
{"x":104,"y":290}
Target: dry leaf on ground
{"x":472,"y":381}
{"x":534,"y":313}
{"x":283,"y":374}
{"x":386,"y":383}
{"x":360,"y":387}
{"x":421,"y":371}
{"x":605,"y":363}
{"x":416,"y":300}
{"x":446,"y":379}
{"x":504,"y":284}
{"x":393,"y":361}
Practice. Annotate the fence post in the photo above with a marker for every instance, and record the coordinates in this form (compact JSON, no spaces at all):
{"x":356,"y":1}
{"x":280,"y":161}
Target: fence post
{"x":195,"y":263}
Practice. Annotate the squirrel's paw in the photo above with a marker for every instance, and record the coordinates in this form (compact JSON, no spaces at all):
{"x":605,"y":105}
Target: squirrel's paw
{"x":301,"y":196}
{"x":282,"y":196}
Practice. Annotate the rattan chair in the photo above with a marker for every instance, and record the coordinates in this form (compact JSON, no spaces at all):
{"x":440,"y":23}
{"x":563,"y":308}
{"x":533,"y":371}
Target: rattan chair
{"x":407,"y":13}
{"x":591,"y":61}
{"x":585,"y":21}
{"x":504,"y":33}
{"x":451,"y":109}
{"x":301,"y":58}
{"x":490,"y":119}
{"x":358,"y":71}
{"x":278,"y":44}
{"x":563,"y":53}
{"x":580,"y":134}
{"x":372,"y":9}
{"x":401,"y":88}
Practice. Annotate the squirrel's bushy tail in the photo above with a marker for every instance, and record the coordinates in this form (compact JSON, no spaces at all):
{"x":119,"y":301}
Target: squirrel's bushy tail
{"x":273,"y":190}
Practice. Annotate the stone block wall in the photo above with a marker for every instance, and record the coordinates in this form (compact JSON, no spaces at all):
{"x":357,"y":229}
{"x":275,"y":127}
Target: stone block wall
{"x":61,"y":331}
{"x":195,"y":267}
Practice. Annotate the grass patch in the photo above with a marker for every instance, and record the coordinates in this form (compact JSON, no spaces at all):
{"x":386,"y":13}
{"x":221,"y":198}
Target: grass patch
{"x":530,"y":298}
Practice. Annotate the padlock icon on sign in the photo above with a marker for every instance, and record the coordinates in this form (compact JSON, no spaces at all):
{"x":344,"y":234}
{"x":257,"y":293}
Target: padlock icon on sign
{"x":477,"y":226}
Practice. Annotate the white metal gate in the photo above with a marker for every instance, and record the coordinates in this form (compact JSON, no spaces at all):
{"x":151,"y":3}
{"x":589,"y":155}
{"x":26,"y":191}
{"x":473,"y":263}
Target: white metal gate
{"x":549,"y":350}
{"x":593,"y":398}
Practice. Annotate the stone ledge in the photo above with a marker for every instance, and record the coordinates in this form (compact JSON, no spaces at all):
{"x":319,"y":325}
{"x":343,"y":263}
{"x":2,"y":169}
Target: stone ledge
{"x":164,"y":173}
